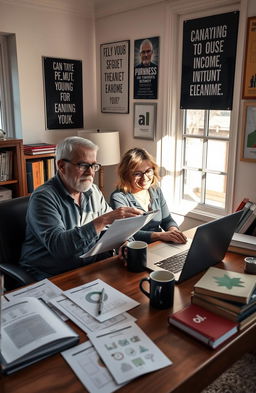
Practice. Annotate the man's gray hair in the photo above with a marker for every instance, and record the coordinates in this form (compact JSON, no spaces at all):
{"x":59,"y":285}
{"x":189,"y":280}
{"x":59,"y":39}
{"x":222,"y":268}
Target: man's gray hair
{"x":66,"y":147}
{"x":146,"y":41}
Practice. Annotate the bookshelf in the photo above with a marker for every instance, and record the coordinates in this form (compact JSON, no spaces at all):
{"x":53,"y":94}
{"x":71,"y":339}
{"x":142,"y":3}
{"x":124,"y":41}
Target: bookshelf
{"x":33,"y":158}
{"x":15,"y":180}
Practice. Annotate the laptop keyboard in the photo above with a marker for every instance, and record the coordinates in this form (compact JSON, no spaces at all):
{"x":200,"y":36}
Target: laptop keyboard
{"x":173,"y":264}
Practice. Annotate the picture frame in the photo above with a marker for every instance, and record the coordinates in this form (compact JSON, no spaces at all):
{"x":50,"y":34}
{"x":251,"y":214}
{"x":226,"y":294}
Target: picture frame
{"x":249,"y":83}
{"x":144,"y":120}
{"x":115,"y":76}
{"x":248,"y":142}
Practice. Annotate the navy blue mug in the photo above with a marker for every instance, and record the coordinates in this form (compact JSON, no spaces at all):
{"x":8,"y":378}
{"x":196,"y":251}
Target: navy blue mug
{"x":161,"y":284}
{"x":135,"y":255}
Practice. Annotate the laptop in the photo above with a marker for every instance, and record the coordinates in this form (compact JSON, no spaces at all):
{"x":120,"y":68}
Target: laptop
{"x":208,"y":247}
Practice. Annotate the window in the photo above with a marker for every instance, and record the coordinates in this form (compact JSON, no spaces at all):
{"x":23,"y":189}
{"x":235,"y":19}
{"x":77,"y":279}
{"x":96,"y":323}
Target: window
{"x":206,"y":136}
{"x":6,"y":107}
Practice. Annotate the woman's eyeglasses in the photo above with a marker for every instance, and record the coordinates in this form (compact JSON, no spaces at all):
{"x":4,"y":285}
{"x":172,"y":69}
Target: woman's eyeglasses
{"x":148,"y":173}
{"x":84,"y":166}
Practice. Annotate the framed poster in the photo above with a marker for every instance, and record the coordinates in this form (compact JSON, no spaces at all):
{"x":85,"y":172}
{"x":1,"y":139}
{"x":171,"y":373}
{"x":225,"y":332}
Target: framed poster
{"x":146,"y":66}
{"x":249,"y":88}
{"x":208,"y":62}
{"x":63,"y":93}
{"x":144,"y":121}
{"x":115,"y":65}
{"x":248,"y":145}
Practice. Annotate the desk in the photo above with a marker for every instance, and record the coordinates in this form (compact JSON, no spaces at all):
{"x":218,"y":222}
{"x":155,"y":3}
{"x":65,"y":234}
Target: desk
{"x":194,"y":364}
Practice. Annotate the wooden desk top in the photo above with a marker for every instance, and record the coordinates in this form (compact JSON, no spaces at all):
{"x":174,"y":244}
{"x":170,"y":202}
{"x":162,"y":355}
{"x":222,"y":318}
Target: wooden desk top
{"x":194,"y":364}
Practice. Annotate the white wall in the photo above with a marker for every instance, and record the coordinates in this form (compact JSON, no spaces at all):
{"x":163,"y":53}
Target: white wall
{"x":146,"y":22}
{"x":67,"y":33}
{"x":52,"y":32}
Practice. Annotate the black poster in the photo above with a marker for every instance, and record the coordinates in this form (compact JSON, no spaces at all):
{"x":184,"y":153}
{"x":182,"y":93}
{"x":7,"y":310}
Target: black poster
{"x":208,"y":62}
{"x":146,"y":65}
{"x":63,"y":93}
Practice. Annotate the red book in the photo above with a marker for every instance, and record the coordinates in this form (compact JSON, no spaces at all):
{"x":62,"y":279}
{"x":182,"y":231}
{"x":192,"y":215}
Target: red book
{"x":39,"y":146}
{"x":204,"y":325}
{"x":242,"y":204}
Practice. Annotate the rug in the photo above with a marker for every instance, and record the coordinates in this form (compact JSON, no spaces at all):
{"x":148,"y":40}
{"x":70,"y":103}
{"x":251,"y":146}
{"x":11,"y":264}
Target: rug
{"x":239,"y":378}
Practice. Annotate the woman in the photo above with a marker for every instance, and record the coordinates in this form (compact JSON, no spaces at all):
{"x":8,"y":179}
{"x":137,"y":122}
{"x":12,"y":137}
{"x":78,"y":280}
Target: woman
{"x":138,"y":187}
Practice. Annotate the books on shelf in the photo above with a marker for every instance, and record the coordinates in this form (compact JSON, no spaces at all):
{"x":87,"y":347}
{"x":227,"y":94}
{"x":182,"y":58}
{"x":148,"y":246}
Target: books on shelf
{"x":227,"y":285}
{"x":206,"y":326}
{"x":247,"y":222}
{"x":39,"y":148}
{"x":6,"y":165}
{"x":31,"y":332}
{"x":39,"y":171}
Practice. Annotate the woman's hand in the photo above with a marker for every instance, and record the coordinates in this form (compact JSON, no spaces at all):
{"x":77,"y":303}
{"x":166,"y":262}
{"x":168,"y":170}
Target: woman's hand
{"x":172,"y":235}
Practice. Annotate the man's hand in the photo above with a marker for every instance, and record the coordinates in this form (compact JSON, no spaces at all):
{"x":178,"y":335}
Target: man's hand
{"x":108,"y":218}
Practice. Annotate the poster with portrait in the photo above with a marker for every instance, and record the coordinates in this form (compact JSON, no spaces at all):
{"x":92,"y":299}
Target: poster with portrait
{"x":63,"y":87}
{"x":208,"y":62}
{"x":146,"y":68}
{"x":115,"y":65}
{"x":249,"y":88}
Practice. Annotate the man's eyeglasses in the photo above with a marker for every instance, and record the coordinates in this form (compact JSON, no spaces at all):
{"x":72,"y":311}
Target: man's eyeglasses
{"x":148,"y":173}
{"x":84,"y":166}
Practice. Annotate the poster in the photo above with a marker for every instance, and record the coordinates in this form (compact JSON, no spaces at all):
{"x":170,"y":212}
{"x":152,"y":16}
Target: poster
{"x":115,"y":64}
{"x":63,"y":93}
{"x":248,"y":152}
{"x":249,"y":90}
{"x":146,"y":68}
{"x":208,"y":62}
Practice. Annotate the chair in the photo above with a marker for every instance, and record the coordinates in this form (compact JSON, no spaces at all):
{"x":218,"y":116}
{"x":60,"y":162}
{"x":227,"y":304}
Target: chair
{"x":12,"y":234}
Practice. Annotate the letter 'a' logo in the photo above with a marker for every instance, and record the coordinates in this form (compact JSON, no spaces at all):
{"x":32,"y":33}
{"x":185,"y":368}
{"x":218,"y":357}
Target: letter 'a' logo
{"x":198,"y":318}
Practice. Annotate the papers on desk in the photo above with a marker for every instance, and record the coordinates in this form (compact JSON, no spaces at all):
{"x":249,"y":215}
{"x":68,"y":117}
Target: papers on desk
{"x":118,"y":232}
{"x":43,"y":289}
{"x":126,"y":351}
{"x":87,"y":297}
{"x":92,"y":372}
{"x":84,"y":320}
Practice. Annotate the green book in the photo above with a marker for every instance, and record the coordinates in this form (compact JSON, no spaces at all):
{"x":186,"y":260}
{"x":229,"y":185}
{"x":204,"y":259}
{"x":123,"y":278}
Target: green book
{"x":227,"y":285}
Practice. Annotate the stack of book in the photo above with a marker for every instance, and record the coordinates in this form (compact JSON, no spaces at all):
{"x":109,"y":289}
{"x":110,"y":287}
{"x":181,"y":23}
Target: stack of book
{"x":222,"y":303}
{"x":228,"y":294}
{"x":247,"y":223}
{"x":39,"y":148}
{"x":39,"y":171}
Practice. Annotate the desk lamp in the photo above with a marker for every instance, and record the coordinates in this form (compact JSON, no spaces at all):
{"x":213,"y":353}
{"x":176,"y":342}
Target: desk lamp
{"x":109,"y":149}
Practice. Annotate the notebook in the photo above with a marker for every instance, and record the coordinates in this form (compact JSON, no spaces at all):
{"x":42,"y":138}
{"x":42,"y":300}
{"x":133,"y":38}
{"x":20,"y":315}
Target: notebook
{"x":208,"y":247}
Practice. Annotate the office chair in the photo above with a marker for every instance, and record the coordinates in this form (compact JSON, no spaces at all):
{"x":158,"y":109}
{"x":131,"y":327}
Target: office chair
{"x":12,"y":234}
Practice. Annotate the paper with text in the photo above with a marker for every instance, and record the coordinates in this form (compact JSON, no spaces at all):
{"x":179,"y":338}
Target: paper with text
{"x":128,"y":352}
{"x":87,"y":297}
{"x":118,"y":232}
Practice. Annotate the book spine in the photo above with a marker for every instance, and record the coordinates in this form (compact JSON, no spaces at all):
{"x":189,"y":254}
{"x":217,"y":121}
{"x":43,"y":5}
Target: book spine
{"x":215,"y":309}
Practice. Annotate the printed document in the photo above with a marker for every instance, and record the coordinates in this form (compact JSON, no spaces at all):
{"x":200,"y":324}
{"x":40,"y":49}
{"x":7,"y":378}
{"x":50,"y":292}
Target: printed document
{"x":128,"y":352}
{"x":92,"y":372}
{"x":87,"y":296}
{"x":118,"y":232}
{"x":43,"y":289}
{"x":84,"y":320}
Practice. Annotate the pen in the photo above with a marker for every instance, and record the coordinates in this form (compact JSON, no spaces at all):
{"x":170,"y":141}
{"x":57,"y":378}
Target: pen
{"x":101,"y":302}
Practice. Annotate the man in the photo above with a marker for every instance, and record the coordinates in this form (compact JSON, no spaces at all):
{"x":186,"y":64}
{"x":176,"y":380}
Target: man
{"x":146,"y":73}
{"x":67,"y":214}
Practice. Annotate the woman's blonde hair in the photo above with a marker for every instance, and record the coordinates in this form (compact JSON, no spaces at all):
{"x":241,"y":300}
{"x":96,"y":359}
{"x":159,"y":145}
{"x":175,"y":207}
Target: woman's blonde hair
{"x":131,"y":159}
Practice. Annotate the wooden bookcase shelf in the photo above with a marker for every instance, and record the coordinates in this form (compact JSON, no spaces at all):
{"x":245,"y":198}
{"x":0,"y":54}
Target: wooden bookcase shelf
{"x":34,"y":158}
{"x":16,"y":183}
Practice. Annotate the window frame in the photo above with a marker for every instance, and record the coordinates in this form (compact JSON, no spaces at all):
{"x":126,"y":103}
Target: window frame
{"x":178,"y":205}
{"x":6,"y":106}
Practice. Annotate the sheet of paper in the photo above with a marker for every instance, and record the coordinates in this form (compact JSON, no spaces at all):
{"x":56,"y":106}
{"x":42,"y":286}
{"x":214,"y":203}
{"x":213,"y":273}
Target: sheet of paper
{"x":87,"y":365}
{"x":118,"y":232}
{"x":43,"y":289}
{"x":28,"y":325}
{"x":87,"y":297}
{"x":84,"y":320}
{"x":128,"y":352}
